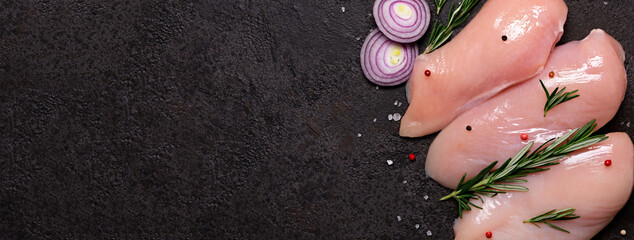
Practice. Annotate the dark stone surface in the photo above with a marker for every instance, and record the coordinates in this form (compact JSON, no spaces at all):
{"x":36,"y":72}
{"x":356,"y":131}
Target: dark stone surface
{"x":218,"y":120}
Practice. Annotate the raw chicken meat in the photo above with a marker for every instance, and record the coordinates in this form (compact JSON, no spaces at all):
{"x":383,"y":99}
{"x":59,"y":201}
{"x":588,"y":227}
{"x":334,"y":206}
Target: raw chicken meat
{"x":594,"y":66}
{"x":507,"y":42}
{"x":581,"y":181}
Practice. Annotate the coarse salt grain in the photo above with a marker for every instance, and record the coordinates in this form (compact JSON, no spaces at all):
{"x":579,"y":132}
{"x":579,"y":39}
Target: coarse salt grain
{"x":426,"y":197}
{"x":395,"y":103}
{"x":374,"y":120}
{"x":396,"y":116}
{"x":377,"y":87}
{"x":400,"y":103}
{"x":627,"y":124}
{"x":398,"y":218}
{"x":359,"y":135}
{"x":404,"y":181}
{"x":428,"y":233}
{"x":343,"y":9}
{"x":417,"y":226}
{"x":390,"y":162}
{"x":390,"y":117}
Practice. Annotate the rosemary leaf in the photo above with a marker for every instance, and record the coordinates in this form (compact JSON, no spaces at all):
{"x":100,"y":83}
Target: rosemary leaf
{"x":557,"y":97}
{"x":439,"y":4}
{"x":440,"y":32}
{"x":507,"y":187}
{"x":515,"y":181}
{"x":491,"y":182}
{"x":554,"y":215}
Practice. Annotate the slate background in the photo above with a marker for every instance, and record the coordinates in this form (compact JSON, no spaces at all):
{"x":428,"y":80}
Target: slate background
{"x":219,"y":120}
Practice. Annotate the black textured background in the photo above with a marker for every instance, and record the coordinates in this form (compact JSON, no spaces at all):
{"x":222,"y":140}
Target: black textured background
{"x":232,"y":119}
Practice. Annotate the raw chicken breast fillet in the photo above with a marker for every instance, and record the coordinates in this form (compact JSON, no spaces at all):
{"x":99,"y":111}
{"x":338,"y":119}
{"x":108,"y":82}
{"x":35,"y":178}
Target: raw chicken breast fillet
{"x":594,"y":66}
{"x":580,"y":181}
{"x":478,"y":63}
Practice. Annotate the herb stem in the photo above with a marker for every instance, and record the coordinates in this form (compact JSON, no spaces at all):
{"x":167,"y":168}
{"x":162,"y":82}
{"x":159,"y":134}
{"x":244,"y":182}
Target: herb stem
{"x":491,"y":182}
{"x":557,"y":97}
{"x":439,"y":4}
{"x":554,"y":215}
{"x":441,"y":33}
{"x":453,"y":194}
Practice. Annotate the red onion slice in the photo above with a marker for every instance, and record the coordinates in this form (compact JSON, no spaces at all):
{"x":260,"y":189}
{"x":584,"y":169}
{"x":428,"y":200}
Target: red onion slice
{"x":403,"y":21}
{"x":385,"y":62}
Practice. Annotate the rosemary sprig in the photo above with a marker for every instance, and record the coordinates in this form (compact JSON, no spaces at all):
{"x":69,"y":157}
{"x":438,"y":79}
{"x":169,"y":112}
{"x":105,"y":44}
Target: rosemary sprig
{"x":557,"y":97}
{"x":440,"y":33}
{"x":554,"y":215}
{"x":490,"y":183}
{"x":439,"y":4}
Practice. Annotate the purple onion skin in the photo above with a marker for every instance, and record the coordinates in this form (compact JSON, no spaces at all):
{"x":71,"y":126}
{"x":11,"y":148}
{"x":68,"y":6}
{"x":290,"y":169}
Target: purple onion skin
{"x":401,"y":29}
{"x":380,"y":71}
